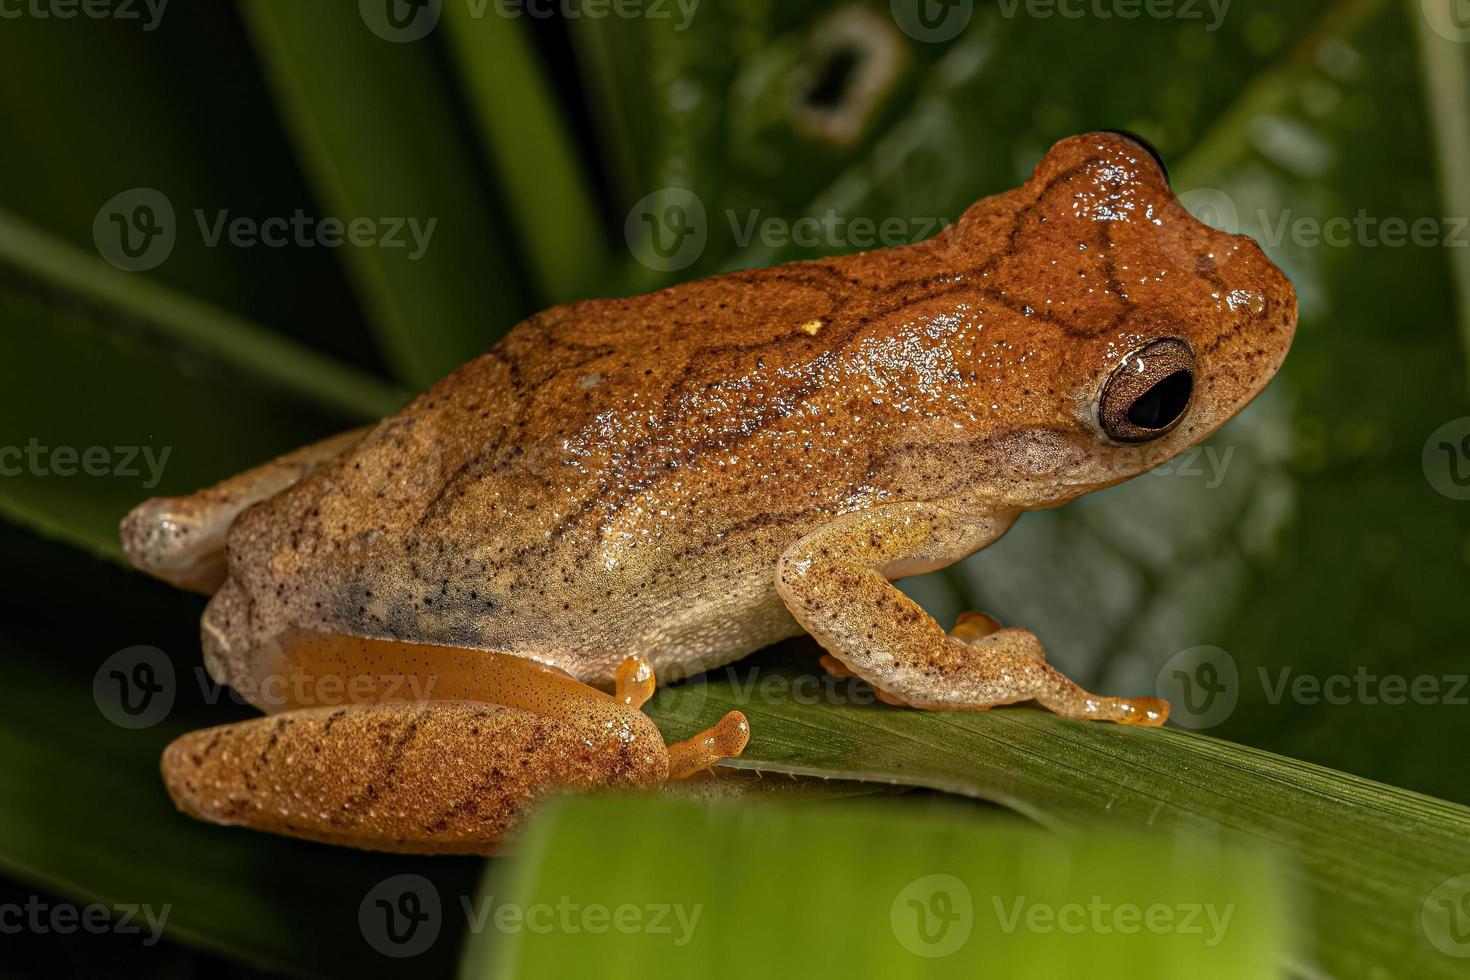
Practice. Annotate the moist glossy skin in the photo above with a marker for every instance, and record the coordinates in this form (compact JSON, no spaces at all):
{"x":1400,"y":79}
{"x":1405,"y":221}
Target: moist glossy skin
{"x":623,"y":476}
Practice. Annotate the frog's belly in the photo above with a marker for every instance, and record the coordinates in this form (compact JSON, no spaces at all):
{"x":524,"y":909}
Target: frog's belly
{"x":682,"y":635}
{"x":586,"y":623}
{"x":683,"y":623}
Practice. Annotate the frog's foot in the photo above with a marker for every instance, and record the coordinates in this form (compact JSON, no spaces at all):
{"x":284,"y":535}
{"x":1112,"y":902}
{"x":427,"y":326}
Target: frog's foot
{"x":725,"y":740}
{"x":834,"y":584}
{"x":971,"y":627}
{"x":834,"y":666}
{"x":182,"y":539}
{"x":837,"y":668}
{"x":634,"y":682}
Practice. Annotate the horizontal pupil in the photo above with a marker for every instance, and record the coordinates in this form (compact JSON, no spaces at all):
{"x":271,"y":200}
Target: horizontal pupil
{"x":1162,"y":403}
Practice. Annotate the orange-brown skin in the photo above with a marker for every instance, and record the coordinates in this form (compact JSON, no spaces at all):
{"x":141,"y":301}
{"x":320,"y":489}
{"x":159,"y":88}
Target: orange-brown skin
{"x":448,"y":763}
{"x":693,"y":474}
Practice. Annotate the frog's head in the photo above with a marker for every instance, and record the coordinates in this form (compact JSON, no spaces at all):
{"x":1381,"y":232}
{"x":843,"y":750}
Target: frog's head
{"x":1143,"y":330}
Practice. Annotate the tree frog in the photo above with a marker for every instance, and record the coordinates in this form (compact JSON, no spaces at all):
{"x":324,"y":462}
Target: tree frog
{"x":669,"y":482}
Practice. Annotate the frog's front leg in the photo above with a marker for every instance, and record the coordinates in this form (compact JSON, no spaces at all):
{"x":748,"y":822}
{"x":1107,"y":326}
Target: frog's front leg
{"x":836,"y":583}
{"x":182,"y":539}
{"x":452,"y":774}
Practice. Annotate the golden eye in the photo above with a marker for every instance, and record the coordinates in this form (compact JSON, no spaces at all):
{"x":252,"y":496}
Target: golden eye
{"x":1148,"y":393}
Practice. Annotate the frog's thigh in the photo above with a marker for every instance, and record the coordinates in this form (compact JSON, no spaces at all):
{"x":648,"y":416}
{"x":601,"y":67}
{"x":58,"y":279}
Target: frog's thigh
{"x":426,"y":777}
{"x":836,"y":583}
{"x":182,"y":539}
{"x":451,"y":773}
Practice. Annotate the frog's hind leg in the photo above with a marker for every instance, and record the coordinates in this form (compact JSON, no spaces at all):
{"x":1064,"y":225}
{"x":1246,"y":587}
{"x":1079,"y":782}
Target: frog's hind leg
{"x":726,"y":739}
{"x":449,"y":777}
{"x":834,"y":582}
{"x":182,"y":539}
{"x":424,"y":749}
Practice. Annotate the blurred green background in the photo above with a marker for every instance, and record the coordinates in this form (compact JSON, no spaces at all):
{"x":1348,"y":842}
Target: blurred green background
{"x":1322,"y":535}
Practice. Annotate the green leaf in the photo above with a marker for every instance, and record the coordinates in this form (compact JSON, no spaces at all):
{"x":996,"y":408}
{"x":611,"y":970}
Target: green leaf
{"x":168,"y":393}
{"x":1446,"y":79}
{"x":630,"y":888}
{"x":548,"y":189}
{"x":1365,"y":857}
{"x":168,"y":100}
{"x":373,"y":126}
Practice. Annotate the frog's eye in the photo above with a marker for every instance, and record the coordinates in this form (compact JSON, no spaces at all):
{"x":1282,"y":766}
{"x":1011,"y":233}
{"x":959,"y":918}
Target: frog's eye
{"x":1148,"y":393}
